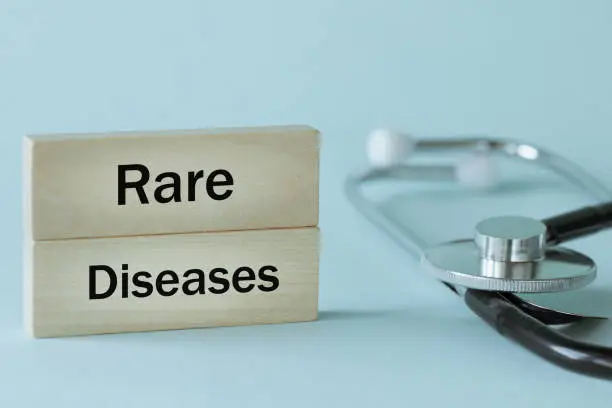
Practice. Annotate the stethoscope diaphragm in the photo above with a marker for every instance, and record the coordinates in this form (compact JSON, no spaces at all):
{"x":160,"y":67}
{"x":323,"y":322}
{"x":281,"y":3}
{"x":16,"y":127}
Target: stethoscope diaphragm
{"x":509,"y":254}
{"x":459,"y":263}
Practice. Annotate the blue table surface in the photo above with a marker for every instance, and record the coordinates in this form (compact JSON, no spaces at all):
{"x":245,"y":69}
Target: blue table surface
{"x":388,"y":335}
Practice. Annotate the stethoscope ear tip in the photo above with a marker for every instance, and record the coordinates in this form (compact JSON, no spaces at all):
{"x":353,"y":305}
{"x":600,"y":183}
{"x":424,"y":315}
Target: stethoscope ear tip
{"x":477,"y":171}
{"x":386,"y":147}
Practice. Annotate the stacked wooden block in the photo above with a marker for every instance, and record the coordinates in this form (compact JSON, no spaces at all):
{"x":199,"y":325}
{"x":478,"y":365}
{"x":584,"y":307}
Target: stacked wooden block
{"x":141,"y":231}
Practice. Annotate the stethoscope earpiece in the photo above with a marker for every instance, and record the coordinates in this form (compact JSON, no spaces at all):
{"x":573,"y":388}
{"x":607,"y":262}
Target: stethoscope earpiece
{"x":477,"y":171}
{"x":387,"y":148}
{"x":390,"y":149}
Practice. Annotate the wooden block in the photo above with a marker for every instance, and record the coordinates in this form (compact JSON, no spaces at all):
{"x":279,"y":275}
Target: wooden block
{"x":142,"y":183}
{"x":248,"y":277}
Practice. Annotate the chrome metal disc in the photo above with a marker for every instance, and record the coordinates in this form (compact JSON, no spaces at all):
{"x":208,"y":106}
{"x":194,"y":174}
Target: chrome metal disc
{"x":460,"y":263}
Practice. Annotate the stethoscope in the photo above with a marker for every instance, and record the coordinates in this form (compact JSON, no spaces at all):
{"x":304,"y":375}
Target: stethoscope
{"x":508,"y":257}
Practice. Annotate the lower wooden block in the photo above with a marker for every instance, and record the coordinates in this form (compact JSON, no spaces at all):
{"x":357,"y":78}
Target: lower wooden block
{"x":130,"y":284}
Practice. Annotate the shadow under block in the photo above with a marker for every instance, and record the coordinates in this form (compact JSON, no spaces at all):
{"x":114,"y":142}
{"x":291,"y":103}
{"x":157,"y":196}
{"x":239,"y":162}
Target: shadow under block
{"x":142,"y":183}
{"x":247,"y":278}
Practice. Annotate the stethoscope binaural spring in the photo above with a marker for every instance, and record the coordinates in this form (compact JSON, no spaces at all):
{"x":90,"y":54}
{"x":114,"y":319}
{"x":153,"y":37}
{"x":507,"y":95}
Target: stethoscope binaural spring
{"x":508,"y":256}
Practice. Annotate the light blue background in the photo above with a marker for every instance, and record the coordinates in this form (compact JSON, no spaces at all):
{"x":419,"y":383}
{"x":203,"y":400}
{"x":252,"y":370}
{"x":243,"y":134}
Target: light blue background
{"x":388,"y":336}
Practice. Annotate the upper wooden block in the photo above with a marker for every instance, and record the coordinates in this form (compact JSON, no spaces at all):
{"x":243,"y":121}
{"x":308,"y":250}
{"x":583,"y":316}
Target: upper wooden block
{"x":141,"y":183}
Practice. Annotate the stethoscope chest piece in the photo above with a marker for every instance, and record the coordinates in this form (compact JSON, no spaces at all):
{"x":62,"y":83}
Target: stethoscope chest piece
{"x":509,"y":254}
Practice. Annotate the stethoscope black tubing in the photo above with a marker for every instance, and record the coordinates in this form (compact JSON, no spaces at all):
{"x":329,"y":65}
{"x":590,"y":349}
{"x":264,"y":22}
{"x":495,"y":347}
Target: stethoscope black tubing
{"x":578,"y":223}
{"x":514,"y":323}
